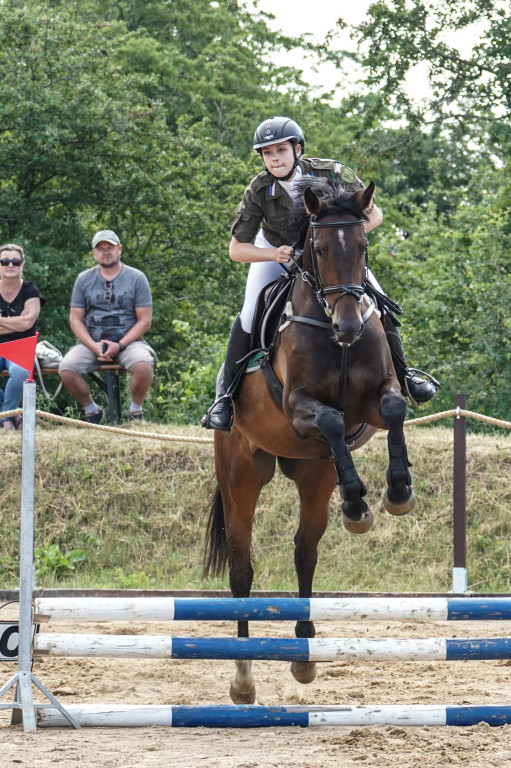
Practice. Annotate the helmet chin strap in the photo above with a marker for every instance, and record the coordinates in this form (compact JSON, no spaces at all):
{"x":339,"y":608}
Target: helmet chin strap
{"x":288,"y":175}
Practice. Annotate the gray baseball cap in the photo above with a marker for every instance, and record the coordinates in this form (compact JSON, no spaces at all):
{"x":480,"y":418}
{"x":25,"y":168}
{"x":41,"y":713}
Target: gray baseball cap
{"x":106,"y":236}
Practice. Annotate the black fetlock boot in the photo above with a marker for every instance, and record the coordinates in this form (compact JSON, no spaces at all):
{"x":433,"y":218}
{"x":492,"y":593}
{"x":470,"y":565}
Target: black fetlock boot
{"x":221,"y":414}
{"x":418,"y":389}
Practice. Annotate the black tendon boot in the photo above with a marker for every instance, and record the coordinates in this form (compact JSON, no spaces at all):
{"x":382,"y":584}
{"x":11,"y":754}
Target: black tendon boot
{"x":418,"y":389}
{"x":221,"y":414}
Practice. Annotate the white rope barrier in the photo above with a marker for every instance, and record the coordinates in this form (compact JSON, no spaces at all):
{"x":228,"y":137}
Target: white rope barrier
{"x":117,"y":430}
{"x":459,"y":412}
{"x":454,"y":412}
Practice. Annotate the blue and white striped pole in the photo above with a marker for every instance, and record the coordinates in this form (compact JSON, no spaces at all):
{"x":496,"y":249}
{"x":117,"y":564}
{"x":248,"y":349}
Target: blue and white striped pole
{"x":274,"y":609}
{"x":253,"y":716}
{"x":272,"y":649}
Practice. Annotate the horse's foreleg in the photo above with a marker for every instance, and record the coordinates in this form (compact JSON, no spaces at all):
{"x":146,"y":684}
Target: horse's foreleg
{"x":357,"y":516}
{"x":398,"y":496}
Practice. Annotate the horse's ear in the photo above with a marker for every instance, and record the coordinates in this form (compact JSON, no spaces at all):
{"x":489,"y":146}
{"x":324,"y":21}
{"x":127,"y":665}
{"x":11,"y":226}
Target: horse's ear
{"x":312,"y":201}
{"x":366,"y":197}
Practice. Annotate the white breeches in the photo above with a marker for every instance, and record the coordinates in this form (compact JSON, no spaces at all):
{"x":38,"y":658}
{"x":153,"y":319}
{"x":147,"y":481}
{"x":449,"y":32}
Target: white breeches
{"x":374,"y":282}
{"x":260,"y":274}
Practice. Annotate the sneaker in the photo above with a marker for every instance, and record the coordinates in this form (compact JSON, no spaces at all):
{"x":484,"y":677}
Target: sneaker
{"x":7,"y":424}
{"x":94,"y":418}
{"x":135,"y":416}
{"x":18,"y":421}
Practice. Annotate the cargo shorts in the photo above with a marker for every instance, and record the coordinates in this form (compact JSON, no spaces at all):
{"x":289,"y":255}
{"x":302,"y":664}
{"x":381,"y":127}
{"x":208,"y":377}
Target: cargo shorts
{"x":81,"y":360}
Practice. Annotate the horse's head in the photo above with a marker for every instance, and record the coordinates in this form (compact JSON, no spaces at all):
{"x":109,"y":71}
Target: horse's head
{"x":335,"y":251}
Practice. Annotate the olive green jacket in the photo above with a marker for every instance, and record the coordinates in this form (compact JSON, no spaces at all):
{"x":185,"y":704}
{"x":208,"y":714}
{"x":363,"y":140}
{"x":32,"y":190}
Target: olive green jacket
{"x":266,"y":204}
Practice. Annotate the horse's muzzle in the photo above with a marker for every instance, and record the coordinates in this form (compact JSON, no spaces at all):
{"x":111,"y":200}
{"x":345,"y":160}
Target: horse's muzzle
{"x":347,"y":332}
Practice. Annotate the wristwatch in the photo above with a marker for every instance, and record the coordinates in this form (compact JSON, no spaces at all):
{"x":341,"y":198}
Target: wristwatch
{"x":122,"y":347}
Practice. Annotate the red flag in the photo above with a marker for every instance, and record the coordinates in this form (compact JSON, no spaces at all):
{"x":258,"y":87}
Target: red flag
{"x":21,"y":352}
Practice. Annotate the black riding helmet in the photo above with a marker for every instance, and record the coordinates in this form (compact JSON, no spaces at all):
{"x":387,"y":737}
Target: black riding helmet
{"x":277,"y":129}
{"x":274,"y":131}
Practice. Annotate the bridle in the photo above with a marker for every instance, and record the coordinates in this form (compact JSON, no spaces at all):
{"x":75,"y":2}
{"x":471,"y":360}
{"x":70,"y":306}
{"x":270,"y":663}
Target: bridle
{"x":323,"y":291}
{"x":314,"y":279}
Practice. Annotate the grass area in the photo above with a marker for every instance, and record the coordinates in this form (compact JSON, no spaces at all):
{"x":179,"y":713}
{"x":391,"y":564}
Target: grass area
{"x":117,"y":511}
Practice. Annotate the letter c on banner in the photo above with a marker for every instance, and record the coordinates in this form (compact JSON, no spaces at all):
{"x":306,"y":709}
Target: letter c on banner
{"x":7,"y":652}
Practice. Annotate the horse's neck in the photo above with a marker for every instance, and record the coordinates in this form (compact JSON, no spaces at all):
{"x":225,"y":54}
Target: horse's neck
{"x":304,"y":301}
{"x":306,"y":256}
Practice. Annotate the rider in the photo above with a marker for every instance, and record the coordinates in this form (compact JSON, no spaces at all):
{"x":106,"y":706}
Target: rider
{"x":263,"y":233}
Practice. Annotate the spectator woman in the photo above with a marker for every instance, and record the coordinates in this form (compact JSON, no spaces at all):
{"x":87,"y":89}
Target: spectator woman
{"x":20,"y":304}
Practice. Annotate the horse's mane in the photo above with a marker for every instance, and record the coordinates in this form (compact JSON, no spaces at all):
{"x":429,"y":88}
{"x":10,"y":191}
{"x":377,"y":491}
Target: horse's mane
{"x":338,"y":194}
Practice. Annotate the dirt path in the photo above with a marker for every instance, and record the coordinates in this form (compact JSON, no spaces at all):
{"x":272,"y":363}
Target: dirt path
{"x":207,"y":682}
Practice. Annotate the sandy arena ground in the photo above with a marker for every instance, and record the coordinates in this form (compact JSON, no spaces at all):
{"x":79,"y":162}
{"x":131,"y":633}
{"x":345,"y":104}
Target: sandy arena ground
{"x":207,"y":682}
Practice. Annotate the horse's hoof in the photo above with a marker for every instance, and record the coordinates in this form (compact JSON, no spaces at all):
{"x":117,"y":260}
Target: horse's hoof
{"x":359,"y":526}
{"x":242,"y":694}
{"x":304,"y":671}
{"x":398,"y":509}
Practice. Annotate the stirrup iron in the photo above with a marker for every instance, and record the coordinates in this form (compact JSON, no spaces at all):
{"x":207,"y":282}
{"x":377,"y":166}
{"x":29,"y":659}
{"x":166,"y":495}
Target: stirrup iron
{"x":426,"y":375}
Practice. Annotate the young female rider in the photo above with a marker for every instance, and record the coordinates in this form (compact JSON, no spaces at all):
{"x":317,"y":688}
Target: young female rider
{"x":263,"y":233}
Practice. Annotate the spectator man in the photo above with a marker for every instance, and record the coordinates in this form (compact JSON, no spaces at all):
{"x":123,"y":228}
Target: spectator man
{"x":111,"y":309}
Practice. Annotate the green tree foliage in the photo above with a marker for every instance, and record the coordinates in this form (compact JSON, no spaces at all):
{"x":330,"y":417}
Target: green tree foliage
{"x":115,"y":115}
{"x":441,"y":165}
{"x":138,"y":116}
{"x":77,"y":136}
{"x":468,"y":86}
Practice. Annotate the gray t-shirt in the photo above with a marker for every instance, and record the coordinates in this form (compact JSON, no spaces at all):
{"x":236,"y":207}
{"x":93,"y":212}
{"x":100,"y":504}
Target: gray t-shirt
{"x":111,"y":319}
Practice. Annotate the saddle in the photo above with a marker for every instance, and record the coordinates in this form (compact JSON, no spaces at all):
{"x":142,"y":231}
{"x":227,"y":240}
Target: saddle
{"x":271,"y":316}
{"x":270,"y":307}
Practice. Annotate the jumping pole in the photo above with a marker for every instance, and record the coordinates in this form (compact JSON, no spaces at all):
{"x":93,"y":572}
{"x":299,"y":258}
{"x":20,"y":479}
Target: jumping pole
{"x":24,"y":678}
{"x":459,"y":571}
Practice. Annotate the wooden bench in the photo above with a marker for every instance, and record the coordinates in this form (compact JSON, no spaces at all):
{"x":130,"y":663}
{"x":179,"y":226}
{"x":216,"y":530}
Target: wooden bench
{"x":108,"y":379}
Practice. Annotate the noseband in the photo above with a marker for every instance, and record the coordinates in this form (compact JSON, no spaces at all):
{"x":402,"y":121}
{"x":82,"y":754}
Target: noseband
{"x":316,"y":283}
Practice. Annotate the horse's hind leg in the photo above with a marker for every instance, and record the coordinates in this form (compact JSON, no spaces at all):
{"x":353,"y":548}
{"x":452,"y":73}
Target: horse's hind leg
{"x":398,"y":496}
{"x":315,"y":481}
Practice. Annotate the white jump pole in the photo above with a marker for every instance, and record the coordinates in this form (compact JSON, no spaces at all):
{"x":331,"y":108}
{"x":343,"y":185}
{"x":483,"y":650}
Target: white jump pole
{"x":168,"y":609}
{"x":24,"y":678}
{"x":254,"y":716}
{"x":284,"y":649}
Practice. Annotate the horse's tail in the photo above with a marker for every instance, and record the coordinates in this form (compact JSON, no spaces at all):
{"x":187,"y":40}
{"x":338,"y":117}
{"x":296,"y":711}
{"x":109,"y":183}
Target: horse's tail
{"x":216,"y":553}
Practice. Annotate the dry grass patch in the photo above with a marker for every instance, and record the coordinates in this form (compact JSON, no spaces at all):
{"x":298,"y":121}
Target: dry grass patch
{"x":135,"y":509}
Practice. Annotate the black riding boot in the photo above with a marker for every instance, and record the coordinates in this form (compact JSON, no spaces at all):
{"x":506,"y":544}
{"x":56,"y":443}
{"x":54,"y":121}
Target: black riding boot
{"x":221,"y":414}
{"x":418,"y":389}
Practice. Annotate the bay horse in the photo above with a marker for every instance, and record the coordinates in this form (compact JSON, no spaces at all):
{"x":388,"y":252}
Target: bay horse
{"x":338,"y":386}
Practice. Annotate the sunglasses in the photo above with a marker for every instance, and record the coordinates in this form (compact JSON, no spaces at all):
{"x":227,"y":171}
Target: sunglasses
{"x":108,"y":292}
{"x":14,"y":262}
